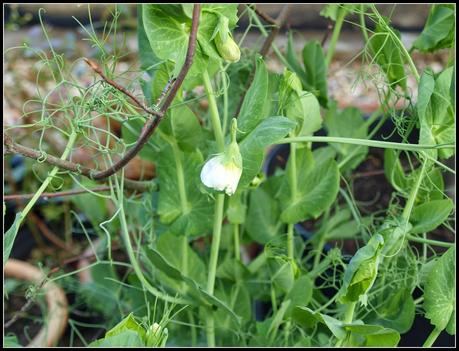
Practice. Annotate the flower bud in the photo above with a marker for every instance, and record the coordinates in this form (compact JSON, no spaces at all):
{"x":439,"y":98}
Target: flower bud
{"x":223,"y":171}
{"x":226,"y":46}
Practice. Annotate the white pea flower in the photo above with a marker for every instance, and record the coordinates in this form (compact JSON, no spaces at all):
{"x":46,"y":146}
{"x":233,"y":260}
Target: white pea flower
{"x":223,"y":171}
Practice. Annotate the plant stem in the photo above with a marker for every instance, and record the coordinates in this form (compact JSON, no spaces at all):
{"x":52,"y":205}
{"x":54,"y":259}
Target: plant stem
{"x":430,"y":242}
{"x":349,"y":312}
{"x":180,"y":177}
{"x":273,"y":299}
{"x":293,"y":174}
{"x":362,"y":23}
{"x":214,"y":116}
{"x":290,"y":241}
{"x":225,"y":100}
{"x":219,"y":205}
{"x":365,"y":142}
{"x":414,"y":192}
{"x":432,"y":337}
{"x":237,"y":251}
{"x":194,"y":336}
{"x":336,"y":31}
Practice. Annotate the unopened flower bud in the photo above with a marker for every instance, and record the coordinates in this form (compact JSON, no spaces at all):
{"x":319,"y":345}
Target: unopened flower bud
{"x":226,"y":46}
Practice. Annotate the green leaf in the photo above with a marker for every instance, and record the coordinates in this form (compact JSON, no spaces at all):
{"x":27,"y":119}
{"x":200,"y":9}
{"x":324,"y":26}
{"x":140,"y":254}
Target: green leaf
{"x":361,"y":272}
{"x":435,"y":112}
{"x":316,"y":71}
{"x":438,"y":32}
{"x":397,"y":312}
{"x":11,"y":341}
{"x":387,"y":55}
{"x":305,"y":110}
{"x":146,"y":56}
{"x":282,"y":273}
{"x":301,"y":293}
{"x":236,"y":209}
{"x":393,"y":169}
{"x":317,"y":187}
{"x":197,"y":292}
{"x":262,"y":223}
{"x":440,"y":293}
{"x":128,"y":323}
{"x":196,"y":219}
{"x":429,"y":215}
{"x":293,"y":63}
{"x":127,"y":338}
{"x":10,"y":236}
{"x":269,"y":131}
{"x":232,"y":269}
{"x":371,"y":336}
{"x":251,"y":113}
{"x":308,"y":319}
{"x":177,"y":251}
{"x":348,"y":123}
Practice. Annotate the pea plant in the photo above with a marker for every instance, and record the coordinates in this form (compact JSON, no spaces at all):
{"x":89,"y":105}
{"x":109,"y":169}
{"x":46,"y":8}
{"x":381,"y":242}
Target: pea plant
{"x":216,"y":251}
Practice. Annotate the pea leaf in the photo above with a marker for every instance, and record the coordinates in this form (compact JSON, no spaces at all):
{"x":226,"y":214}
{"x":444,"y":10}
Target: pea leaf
{"x":436,"y":112}
{"x":348,"y":123}
{"x":251,"y":113}
{"x":316,"y":71}
{"x":361,"y":272}
{"x":305,"y":110}
{"x":252,"y":147}
{"x":429,"y":215}
{"x":317,"y":187}
{"x":301,"y":293}
{"x":195,"y":219}
{"x":262,"y":223}
{"x":199,"y":295}
{"x":127,"y":338}
{"x":440,"y":293}
{"x":10,"y":235}
{"x":393,"y":169}
{"x":396,"y":313}
{"x":371,"y":335}
{"x":308,"y":319}
{"x":387,"y":55}
{"x":439,"y":29}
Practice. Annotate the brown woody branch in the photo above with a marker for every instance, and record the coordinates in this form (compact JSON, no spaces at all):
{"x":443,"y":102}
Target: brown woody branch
{"x":267,"y":18}
{"x":147,"y":130}
{"x":278,"y":23}
{"x":151,"y":124}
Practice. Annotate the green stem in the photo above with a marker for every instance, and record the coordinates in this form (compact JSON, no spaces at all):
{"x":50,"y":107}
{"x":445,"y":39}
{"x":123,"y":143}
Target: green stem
{"x":396,"y":39}
{"x":194,"y":336}
{"x":320,"y":247}
{"x":336,"y":31}
{"x":432,"y":337}
{"x":362,"y":23}
{"x":429,"y":242}
{"x":414,"y":192}
{"x":180,"y":177}
{"x":293,"y":174}
{"x":225,"y":100}
{"x":365,"y":142}
{"x":349,"y":312}
{"x":237,"y":251}
{"x":219,"y":205}
{"x":290,"y":241}
{"x":273,"y":299}
{"x":214,"y":116}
